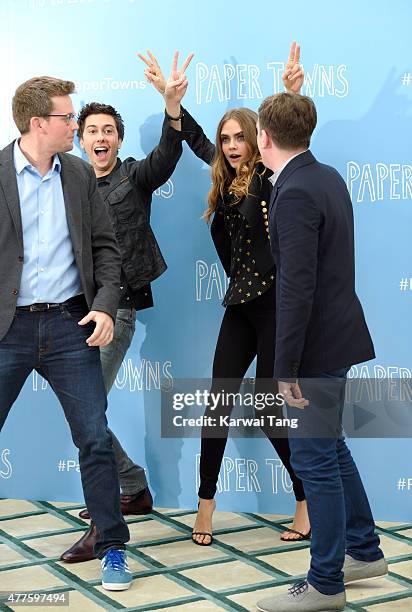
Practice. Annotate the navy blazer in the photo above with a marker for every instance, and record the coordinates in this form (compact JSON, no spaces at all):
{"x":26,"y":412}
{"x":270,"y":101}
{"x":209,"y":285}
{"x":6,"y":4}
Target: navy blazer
{"x":320,"y":322}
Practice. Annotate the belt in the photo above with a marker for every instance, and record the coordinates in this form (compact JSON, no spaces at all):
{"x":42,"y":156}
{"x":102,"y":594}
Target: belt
{"x":41,"y":306}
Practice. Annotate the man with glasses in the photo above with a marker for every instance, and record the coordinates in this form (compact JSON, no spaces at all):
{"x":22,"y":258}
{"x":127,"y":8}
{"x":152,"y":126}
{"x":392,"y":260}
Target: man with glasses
{"x":59,"y":284}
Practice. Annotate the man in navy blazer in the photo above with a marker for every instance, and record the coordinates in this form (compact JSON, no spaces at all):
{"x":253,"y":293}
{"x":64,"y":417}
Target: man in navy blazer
{"x":321,"y":332}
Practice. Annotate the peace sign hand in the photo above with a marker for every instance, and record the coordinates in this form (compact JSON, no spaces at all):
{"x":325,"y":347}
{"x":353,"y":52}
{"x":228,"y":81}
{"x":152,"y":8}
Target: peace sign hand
{"x":177,"y":82}
{"x":175,"y":87}
{"x":294,"y":75}
{"x":153,"y":72}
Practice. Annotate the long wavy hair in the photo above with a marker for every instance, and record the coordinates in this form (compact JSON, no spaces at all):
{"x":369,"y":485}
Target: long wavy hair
{"x":224,"y":177}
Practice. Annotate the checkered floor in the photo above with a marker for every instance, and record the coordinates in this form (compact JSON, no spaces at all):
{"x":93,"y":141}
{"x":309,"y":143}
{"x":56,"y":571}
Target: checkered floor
{"x":247,"y":561}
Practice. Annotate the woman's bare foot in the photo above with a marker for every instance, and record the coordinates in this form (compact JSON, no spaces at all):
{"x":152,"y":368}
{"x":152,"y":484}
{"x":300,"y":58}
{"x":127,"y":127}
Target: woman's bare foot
{"x":203,"y":523}
{"x":300,"y":523}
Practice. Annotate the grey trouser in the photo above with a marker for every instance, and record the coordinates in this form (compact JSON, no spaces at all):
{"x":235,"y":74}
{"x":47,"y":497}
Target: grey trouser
{"x":132,"y":477}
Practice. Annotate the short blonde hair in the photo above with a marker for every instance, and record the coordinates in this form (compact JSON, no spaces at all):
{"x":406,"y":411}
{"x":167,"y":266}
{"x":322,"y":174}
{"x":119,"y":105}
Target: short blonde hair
{"x":33,"y":99}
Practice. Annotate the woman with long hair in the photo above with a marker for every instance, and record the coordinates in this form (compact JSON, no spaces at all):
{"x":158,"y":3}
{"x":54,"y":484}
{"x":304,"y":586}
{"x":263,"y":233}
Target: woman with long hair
{"x":238,"y":204}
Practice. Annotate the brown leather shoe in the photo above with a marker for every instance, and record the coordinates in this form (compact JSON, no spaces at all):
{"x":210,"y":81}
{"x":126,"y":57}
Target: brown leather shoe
{"x":84,"y":514}
{"x":142,"y":503}
{"x":82,"y":550}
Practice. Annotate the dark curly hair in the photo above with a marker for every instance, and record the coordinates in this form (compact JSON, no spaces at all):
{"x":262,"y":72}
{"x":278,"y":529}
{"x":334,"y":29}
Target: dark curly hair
{"x":96,"y":108}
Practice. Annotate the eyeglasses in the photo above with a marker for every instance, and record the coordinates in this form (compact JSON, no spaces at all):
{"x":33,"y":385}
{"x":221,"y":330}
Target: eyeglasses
{"x":67,"y":117}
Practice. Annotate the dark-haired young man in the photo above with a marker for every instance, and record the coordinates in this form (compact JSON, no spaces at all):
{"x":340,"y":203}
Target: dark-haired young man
{"x":127,"y":188}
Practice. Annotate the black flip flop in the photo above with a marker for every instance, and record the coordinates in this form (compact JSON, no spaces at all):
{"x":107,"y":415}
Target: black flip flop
{"x":299,"y":533}
{"x":204,"y":533}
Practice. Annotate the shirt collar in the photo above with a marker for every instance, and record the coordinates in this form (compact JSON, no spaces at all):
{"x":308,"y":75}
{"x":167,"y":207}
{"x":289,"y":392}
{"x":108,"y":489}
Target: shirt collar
{"x":106,"y":179}
{"x":21,"y":162}
{"x":277,"y":172}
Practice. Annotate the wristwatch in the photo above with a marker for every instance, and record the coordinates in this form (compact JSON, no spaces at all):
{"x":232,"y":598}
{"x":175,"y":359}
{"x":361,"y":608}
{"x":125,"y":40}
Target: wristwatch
{"x":174,"y":118}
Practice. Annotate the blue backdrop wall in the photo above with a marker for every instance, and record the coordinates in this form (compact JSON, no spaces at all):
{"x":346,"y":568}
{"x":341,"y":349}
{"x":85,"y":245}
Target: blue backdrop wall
{"x":358,"y":70}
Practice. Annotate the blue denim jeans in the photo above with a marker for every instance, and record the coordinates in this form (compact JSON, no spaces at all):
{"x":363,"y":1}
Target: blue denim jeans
{"x":339,"y":511}
{"x":132,"y":476}
{"x":53,"y":343}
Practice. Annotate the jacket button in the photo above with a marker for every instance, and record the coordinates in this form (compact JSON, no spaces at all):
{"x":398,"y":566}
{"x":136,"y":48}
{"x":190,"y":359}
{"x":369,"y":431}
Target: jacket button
{"x":263,"y":203}
{"x":15,"y":291}
{"x":20,"y":258}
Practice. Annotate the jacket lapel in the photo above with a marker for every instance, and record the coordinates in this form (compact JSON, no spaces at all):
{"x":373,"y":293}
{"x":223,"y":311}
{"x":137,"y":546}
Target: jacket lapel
{"x":72,"y":201}
{"x":8,"y":184}
{"x":273,"y":197}
{"x":299,"y":161}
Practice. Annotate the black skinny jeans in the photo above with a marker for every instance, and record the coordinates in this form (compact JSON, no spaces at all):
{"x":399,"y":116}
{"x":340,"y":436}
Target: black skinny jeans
{"x":247,"y":331}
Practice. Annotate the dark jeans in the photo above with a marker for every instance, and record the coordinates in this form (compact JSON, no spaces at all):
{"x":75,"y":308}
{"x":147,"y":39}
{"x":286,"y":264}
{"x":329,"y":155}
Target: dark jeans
{"x":132,"y":476}
{"x":53,"y":343}
{"x":247,"y":331}
{"x":339,"y":511}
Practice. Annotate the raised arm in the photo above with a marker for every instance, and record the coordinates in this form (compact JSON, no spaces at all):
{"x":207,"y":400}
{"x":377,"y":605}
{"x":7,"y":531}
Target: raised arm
{"x":174,"y":88}
{"x":192,"y":132}
{"x":197,"y":140}
{"x":153,"y":171}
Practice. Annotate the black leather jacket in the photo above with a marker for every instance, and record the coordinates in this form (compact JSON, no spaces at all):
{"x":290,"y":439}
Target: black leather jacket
{"x":129,"y":201}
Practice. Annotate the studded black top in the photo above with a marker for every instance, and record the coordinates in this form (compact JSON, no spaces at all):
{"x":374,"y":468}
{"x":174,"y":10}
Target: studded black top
{"x":245,"y":282}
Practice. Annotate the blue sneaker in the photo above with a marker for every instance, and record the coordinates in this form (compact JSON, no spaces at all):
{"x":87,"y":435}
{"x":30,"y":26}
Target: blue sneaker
{"x":116,"y":575}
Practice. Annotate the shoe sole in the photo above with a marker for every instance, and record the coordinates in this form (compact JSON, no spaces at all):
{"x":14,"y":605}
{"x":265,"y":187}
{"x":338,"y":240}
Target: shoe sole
{"x":78,"y":560}
{"x":109,"y":586}
{"x":139,"y":513}
{"x":365,"y":578}
{"x":334,"y":610}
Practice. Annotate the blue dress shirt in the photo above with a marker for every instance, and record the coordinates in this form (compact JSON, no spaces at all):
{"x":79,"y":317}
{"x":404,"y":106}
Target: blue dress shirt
{"x":50,"y":273}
